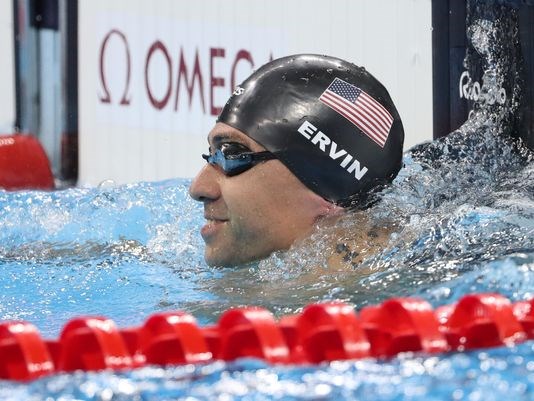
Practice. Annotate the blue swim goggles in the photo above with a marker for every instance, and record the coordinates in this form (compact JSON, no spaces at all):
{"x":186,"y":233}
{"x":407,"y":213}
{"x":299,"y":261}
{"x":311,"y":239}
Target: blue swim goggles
{"x":234,"y":158}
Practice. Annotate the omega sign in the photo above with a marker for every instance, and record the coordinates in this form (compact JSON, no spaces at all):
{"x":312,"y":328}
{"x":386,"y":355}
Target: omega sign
{"x":187,"y":77}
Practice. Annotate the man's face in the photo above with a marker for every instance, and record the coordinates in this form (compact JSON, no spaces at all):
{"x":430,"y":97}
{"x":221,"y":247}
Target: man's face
{"x":250,"y":215}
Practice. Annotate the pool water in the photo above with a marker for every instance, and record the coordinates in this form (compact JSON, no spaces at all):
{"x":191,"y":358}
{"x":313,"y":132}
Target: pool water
{"x":462,"y":209}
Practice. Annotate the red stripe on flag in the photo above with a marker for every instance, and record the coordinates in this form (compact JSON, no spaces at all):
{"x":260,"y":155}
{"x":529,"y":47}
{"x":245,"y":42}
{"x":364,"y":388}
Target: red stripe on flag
{"x":358,"y":111}
{"x":355,"y":114}
{"x":357,"y":119}
{"x":380,"y":109}
{"x":376,"y":108}
{"x":371,"y":114}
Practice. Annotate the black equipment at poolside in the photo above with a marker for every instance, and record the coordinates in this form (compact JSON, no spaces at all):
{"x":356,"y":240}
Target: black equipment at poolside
{"x":464,"y":63}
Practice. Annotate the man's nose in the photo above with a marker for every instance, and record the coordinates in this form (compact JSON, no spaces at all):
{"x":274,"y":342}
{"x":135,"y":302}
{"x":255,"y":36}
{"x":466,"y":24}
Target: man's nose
{"x":205,"y":186}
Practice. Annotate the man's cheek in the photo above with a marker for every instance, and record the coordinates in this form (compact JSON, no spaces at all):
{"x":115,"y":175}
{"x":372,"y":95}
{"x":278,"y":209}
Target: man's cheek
{"x":248,"y":231}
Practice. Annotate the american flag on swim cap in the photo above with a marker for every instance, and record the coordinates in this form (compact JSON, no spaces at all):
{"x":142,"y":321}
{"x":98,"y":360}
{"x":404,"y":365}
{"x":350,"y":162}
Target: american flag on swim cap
{"x":359,"y":108}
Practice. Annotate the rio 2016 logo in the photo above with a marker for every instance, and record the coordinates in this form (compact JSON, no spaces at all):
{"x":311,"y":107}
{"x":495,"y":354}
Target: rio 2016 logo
{"x":473,"y":91}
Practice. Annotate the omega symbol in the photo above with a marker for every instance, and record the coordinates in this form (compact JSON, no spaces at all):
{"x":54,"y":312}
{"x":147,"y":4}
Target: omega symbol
{"x":106,"y":98}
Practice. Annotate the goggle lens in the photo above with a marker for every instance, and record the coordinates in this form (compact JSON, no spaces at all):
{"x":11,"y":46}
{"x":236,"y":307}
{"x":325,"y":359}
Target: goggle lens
{"x":234,"y":162}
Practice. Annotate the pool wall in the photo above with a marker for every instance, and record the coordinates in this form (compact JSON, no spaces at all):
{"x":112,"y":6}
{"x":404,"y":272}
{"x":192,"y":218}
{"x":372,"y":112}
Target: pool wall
{"x":153,"y":78}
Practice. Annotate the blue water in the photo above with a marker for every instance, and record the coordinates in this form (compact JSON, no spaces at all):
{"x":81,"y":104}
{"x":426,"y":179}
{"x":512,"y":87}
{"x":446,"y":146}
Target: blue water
{"x":495,"y":375}
{"x":463,"y":209}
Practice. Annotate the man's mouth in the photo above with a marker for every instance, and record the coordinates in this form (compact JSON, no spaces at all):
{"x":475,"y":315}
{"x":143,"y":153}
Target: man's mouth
{"x":212,"y":227}
{"x":210,"y":218}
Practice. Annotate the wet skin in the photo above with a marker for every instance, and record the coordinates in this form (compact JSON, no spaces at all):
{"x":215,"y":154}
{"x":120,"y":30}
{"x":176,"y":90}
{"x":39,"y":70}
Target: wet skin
{"x":251,"y":215}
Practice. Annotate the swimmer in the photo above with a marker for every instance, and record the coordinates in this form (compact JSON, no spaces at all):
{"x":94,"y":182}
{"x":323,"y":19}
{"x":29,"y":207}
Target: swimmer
{"x":303,"y":139}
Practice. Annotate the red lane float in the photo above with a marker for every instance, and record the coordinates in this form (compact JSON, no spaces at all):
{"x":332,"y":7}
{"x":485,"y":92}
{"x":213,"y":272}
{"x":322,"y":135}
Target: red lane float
{"x":485,"y":320}
{"x":172,"y":338}
{"x":24,"y":164}
{"x":402,"y":324}
{"x":92,"y":343}
{"x":331,"y":331}
{"x":23,"y":354}
{"x":251,"y":332}
{"x":322,"y":332}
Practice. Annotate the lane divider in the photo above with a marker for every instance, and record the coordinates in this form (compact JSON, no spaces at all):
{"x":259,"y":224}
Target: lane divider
{"x":322,"y":332}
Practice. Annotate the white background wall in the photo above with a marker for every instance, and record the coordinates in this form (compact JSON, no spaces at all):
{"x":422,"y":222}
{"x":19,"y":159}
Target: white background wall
{"x":7,"y":75}
{"x":148,"y":127}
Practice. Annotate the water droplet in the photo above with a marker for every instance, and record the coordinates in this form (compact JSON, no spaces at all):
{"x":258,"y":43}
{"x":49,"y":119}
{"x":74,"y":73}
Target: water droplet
{"x":107,"y":184}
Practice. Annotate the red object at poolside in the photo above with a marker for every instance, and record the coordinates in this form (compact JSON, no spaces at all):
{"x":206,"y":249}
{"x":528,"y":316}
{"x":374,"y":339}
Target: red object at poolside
{"x":24,"y":164}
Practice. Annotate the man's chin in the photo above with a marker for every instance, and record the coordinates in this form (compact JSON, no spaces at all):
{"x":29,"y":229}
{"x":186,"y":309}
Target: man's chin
{"x":222,"y":258}
{"x":219,"y":258}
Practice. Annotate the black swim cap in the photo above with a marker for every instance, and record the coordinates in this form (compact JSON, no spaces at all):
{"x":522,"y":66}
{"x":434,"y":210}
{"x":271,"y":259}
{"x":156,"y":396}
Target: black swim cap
{"x":329,"y":121}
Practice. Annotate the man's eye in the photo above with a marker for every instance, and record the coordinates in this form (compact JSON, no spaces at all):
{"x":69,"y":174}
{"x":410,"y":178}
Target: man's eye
{"x":233,"y":148}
